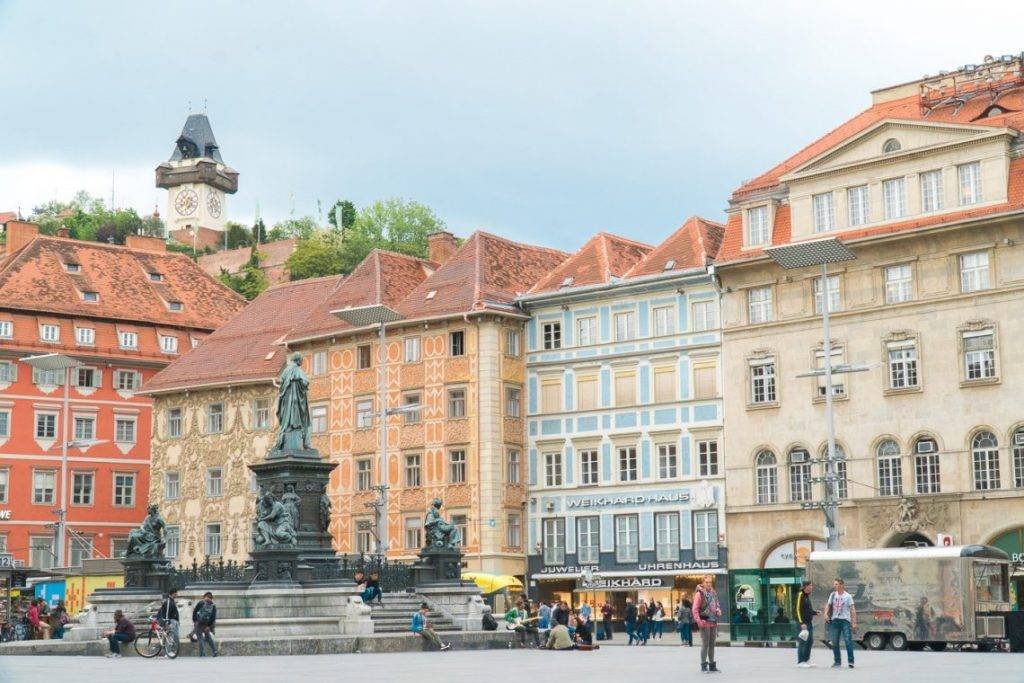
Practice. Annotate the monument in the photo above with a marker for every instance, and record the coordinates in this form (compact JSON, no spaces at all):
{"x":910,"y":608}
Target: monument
{"x":441,"y":559}
{"x":144,"y":563}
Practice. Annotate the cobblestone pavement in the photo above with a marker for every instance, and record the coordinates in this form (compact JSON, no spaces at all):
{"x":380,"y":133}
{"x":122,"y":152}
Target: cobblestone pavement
{"x":662,"y":664}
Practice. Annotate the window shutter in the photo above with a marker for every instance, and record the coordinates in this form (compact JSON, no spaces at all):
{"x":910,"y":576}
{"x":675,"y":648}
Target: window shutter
{"x":664,"y":385}
{"x":35,"y":375}
{"x":586,"y":389}
{"x":97,"y":378}
{"x":704,"y":382}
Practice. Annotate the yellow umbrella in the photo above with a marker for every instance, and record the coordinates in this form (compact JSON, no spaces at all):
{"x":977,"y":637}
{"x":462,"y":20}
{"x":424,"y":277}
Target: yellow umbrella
{"x":489,"y":583}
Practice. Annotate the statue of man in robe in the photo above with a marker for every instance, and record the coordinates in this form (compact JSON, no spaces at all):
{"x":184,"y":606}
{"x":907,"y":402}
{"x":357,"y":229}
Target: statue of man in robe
{"x":293,"y":407}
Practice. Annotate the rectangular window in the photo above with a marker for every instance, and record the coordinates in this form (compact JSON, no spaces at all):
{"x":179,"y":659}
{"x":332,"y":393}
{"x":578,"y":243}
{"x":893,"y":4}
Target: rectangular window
{"x":456,"y":403}
{"x":668,"y":461}
{"x":412,"y":350}
{"x":43,"y":484}
{"x":838,"y":381}
{"x":762,"y":382}
{"x":757,"y":226}
{"x":898,"y":284}
{"x":705,"y":381}
{"x":514,"y":531}
{"x":364,"y":474}
{"x":85,"y":428}
{"x":666,"y":536}
{"x":364,"y":356}
{"x":461,"y":522}
{"x":126,"y":380}
{"x":979,"y":355}
{"x":413,"y":533}
{"x":588,"y":548}
{"x":800,"y":477}
{"x":6,"y":329}
{"x":625,"y":326}
{"x":5,"y":478}
{"x":364,"y":539}
{"x":926,"y":469}
{"x":664,"y":321}
{"x":46,"y":426}
{"x":970,"y":182}
{"x":214,"y":482}
{"x":586,"y":331}
{"x":759,"y":305}
{"x":318,"y":419}
{"x":168,"y":344}
{"x":412,"y":415}
{"x":261,"y":413}
{"x":513,"y":343}
{"x":40,"y":552}
{"x":824,"y":212}
{"x":554,"y":541}
{"x":705,"y":316}
{"x":588,"y":468}
{"x":551,"y":395}
{"x":319,"y":365}
{"x":586,"y":393}
{"x":859,"y":205}
{"x":118,"y":546}
{"x":627,"y":538}
{"x":833,"y":295}
{"x":931,"y":191}
{"x":902,"y":359}
{"x":664,"y":384}
{"x":215,"y":418}
{"x":172,"y":485}
{"x":172,"y":541}
{"x":552,"y":335}
{"x":124,"y":430}
{"x":707,"y":458}
{"x":705,"y":535}
{"x":364,"y":413}
{"x":47,"y":378}
{"x":82,"y":488}
{"x":49,"y":333}
{"x":5,"y":422}
{"x":86,"y":377}
{"x":457,"y":467}
{"x":974,"y":271}
{"x":174,"y":422}
{"x":894,"y":196}
{"x":412,"y":470}
{"x":553,"y":469}
{"x":627,"y":463}
{"x":985,"y":460}
{"x":890,"y":473}
{"x":128,"y":340}
{"x":512,"y":466}
{"x":80,"y":548}
{"x":124,"y":489}
{"x":212,"y":540}
{"x":86,"y":336}
{"x":457,"y":343}
{"x":8,"y":371}
{"x":513,"y":401}
{"x":625,"y":389}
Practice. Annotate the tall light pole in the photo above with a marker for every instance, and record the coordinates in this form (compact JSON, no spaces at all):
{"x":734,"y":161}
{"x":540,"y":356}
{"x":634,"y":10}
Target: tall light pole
{"x":803,"y":255}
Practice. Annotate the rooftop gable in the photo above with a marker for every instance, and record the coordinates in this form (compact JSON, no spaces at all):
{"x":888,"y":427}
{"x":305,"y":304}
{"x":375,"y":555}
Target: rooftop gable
{"x":693,"y":245}
{"x":603,"y":258}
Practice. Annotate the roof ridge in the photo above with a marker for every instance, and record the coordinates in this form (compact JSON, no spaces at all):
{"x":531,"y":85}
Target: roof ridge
{"x":378,"y":283}
{"x":602,"y":255}
{"x":304,"y":281}
{"x":524,"y":245}
{"x":622,"y":238}
{"x":410,"y":257}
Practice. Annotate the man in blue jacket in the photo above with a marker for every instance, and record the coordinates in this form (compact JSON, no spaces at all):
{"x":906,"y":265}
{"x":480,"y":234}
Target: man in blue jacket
{"x":421,"y":627}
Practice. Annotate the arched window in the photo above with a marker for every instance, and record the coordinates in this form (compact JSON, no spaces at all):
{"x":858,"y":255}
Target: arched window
{"x":767,"y":478}
{"x":891,"y":145}
{"x":840,"y":469}
{"x":926,"y":465}
{"x":985,"y":455}
{"x":799,"y":475}
{"x":890,"y":469}
{"x":1018,"y":458}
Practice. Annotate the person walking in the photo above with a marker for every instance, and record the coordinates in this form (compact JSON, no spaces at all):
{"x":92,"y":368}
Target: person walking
{"x":706,"y":612}
{"x":168,"y":616}
{"x":841,"y":619}
{"x":607,"y":611}
{"x":204,"y":617}
{"x":684,"y":622}
{"x":659,"y":620}
{"x":805,"y":614}
{"x":421,"y":627}
{"x":643,"y":625}
{"x":123,"y":632}
{"x":630,"y":620}
{"x":585,"y":610}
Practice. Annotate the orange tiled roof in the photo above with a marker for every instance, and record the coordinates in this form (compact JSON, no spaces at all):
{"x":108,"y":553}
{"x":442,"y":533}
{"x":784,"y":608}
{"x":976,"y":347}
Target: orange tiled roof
{"x":603,"y":257}
{"x":202,"y":238}
{"x":250,"y":346}
{"x":8,"y":216}
{"x":35,"y":278}
{"x":691,"y":246}
{"x":274,"y":254}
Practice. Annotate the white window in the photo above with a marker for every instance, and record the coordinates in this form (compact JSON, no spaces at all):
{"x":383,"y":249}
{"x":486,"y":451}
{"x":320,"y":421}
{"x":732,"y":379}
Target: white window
{"x":174,"y":422}
{"x":902,"y":358}
{"x":126,"y":380}
{"x":6,"y":329}
{"x":625,"y":326}
{"x":124,"y":430}
{"x":705,"y":535}
{"x":85,"y":428}
{"x":664,"y":321}
{"x":842,"y":482}
{"x":586,"y":331}
{"x":627,"y":463}
{"x":552,"y":335}
{"x":128,"y":340}
{"x":46,"y":425}
{"x":412,"y":349}
{"x":80,"y":548}
{"x":759,"y":305}
{"x":767,"y":475}
{"x":553,"y":469}
{"x":412,"y":403}
{"x":456,"y":403}
{"x":214,"y":482}
{"x":412,"y":470}
{"x":838,"y":381}
{"x":931,"y":191}
{"x":461,"y":522}
{"x":757,"y":226}
{"x":985,"y":458}
{"x":890,"y":469}
{"x":898,"y":284}
{"x":82,"y":488}
{"x":5,"y":426}
{"x":457,"y":467}
{"x":707,"y":458}
{"x":364,"y":474}
{"x":833,"y":294}
{"x":215,"y":418}
{"x":212,"y":540}
{"x":49,"y":333}
{"x":512,"y":466}
{"x":859,"y":204}
{"x":364,"y":357}
{"x":979,"y":355}
{"x":666,"y":536}
{"x":588,"y":549}
{"x":168,"y":343}
{"x":668,"y":461}
{"x":364,"y":413}
{"x":513,"y":401}
{"x":8,"y":371}
{"x":926,"y":467}
{"x":5,"y":477}
{"x":970,"y":182}
{"x":413,"y":533}
{"x":588,"y":468}
{"x":627,"y":538}
{"x":974,"y":271}
{"x":762,"y":382}
{"x":318,"y":419}
{"x":86,"y":377}
{"x":319,"y":364}
{"x":705,"y":316}
{"x":86,"y":336}
{"x":174,"y":306}
{"x":514,"y":531}
{"x":894,"y":195}
{"x":261,"y":413}
{"x":172,"y":485}
{"x":47,"y":378}
{"x":457,"y":343}
{"x":172,"y":541}
{"x":824,"y":212}
{"x":799,"y":475}
{"x":124,"y":489}
{"x":554,"y":541}
{"x":513,"y":342}
{"x":1018,"y":462}
{"x":40,"y":551}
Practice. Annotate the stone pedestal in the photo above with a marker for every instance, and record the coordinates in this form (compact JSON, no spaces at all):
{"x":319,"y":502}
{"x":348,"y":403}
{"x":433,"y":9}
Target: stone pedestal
{"x":438,"y":567}
{"x":136,"y":603}
{"x":464,"y":605}
{"x":146,"y":573}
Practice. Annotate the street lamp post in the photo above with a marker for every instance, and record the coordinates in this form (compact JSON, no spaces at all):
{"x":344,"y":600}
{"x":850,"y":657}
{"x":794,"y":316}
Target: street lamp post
{"x":802,"y":255}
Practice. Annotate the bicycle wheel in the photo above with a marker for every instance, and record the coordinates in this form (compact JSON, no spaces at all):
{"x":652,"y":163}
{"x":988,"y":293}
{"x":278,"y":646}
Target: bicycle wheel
{"x":171,"y":645}
{"x":148,"y":645}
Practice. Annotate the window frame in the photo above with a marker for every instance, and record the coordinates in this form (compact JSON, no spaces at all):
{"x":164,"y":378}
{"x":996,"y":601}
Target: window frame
{"x":412,"y":470}
{"x":707,"y":549}
{"x":551,"y":335}
{"x":554,"y":468}
{"x":627,"y":464}
{"x":457,"y":403}
{"x":124,"y":490}
{"x":889,"y":469}
{"x":364,"y":474}
{"x":364,"y":357}
{"x":513,"y":342}
{"x":762,"y":373}
{"x":587,"y":323}
{"x":973,"y":181}
{"x":894,"y":203}
{"x":858,"y":205}
{"x":985,"y":461}
{"x":766,"y":477}
{"x":708,"y":458}
{"x":629,"y":329}
{"x":85,"y":494}
{"x":590,"y":467}
{"x":457,"y":343}
{"x":213,"y":482}
{"x":823,"y":209}
{"x":667,"y":549}
{"x":513,"y":466}
{"x":629,"y":551}
{"x":668,"y":460}
{"x":513,"y":401}
{"x":898,"y":290}
{"x":760,"y":310}
{"x":458,"y":466}
{"x":975,"y":278}
{"x":758,"y":232}
{"x":588,"y":539}
{"x":412,"y":349}
{"x":932,"y":189}
{"x":553,"y":529}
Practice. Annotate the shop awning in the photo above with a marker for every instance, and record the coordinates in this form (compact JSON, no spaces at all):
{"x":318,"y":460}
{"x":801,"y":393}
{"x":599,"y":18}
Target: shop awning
{"x":490,"y":583}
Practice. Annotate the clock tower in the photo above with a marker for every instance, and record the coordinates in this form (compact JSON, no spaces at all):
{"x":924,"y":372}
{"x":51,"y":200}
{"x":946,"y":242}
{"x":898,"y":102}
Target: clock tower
{"x":197,"y":181}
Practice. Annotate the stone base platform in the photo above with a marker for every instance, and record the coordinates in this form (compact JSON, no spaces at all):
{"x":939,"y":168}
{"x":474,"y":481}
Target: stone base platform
{"x":283,"y":645}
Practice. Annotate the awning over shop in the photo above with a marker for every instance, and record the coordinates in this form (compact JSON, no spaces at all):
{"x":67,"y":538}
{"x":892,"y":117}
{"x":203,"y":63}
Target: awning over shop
{"x":491,"y":583}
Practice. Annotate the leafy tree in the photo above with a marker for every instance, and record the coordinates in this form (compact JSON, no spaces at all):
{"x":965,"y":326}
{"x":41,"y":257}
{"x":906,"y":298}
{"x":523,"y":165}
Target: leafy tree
{"x":393,"y":224}
{"x":303,"y":228}
{"x":250,"y":281}
{"x":88,"y":218}
{"x":238,"y":235}
{"x":316,"y":256}
{"x":348,"y":214}
{"x":259,"y":231}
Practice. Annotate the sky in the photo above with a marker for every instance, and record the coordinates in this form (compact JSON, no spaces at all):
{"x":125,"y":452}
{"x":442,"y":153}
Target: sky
{"x":540,"y":121}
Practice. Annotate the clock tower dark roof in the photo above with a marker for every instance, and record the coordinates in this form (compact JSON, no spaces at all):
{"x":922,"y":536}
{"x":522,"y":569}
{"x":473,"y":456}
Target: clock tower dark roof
{"x":196,"y":140}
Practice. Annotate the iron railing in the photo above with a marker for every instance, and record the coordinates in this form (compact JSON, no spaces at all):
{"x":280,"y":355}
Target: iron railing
{"x":394,"y":575}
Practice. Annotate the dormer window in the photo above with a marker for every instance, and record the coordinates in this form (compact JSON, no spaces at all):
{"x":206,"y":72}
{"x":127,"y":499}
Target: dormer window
{"x":91,"y":296}
{"x":567,"y":282}
{"x":128,"y":340}
{"x":757,"y":226}
{"x":72,"y":267}
{"x":431,"y":294}
{"x":49,"y":333}
{"x":174,"y":305}
{"x":168,"y":344}
{"x":670,"y":264}
{"x":156,"y":277}
{"x":891,"y":145}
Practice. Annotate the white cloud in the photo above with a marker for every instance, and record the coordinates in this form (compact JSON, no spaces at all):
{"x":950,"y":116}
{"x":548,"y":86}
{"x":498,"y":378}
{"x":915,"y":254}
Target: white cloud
{"x":29,"y":184}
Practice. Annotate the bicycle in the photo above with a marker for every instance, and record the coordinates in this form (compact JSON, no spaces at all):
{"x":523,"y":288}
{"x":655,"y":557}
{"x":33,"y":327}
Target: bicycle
{"x":156,"y":640}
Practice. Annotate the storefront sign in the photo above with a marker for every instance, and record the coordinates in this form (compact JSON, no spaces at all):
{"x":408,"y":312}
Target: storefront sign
{"x":5,"y":514}
{"x":632,"y":499}
{"x":792,"y":554}
{"x":568,"y":569}
{"x":678,"y":566}
{"x":627,"y":583}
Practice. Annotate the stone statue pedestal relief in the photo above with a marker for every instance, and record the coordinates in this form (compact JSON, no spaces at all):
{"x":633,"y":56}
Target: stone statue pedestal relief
{"x":438,"y":567}
{"x":146,"y":573}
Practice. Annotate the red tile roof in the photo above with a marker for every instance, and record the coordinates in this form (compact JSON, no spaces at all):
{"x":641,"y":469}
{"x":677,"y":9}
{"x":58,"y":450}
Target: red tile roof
{"x":250,"y":346}
{"x":274,"y":255}
{"x":8,"y":216}
{"x":603,"y":257}
{"x":201,"y":239}
{"x":691,"y":246}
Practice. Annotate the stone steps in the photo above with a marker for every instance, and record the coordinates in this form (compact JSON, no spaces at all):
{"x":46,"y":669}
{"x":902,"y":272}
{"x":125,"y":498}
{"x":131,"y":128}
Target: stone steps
{"x":395,"y":615}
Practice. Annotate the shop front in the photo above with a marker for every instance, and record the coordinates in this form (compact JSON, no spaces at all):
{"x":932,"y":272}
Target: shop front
{"x":1012,"y":543}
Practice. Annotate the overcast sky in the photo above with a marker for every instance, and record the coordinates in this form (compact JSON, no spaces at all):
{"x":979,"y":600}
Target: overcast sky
{"x":542,"y":121}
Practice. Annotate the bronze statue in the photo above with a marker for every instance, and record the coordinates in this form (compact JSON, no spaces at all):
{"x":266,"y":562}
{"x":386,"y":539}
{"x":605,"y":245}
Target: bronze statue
{"x":147,"y":541}
{"x":325,"y":510}
{"x":291,"y":501}
{"x":293,"y":406}
{"x":440,"y":534}
{"x":273,"y":523}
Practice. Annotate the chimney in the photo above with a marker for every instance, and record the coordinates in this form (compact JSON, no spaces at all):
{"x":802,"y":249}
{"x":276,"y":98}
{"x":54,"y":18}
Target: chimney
{"x":63,"y":232}
{"x":441,"y":245}
{"x":145,"y":243}
{"x":20,"y":233}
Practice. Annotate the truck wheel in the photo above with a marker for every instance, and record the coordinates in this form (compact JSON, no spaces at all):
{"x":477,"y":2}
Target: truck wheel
{"x":898,"y":641}
{"x":937,"y":647}
{"x":875,"y":641}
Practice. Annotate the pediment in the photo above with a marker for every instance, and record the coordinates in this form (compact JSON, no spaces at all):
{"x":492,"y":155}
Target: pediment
{"x":913,"y":137}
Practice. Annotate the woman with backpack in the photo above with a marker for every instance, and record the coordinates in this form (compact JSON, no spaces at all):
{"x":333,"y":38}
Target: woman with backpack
{"x":204,"y":617}
{"x":706,"y":612}
{"x":684,"y":622}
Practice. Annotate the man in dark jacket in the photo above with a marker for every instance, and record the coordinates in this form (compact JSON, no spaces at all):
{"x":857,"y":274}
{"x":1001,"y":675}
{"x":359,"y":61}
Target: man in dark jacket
{"x":630,"y":619}
{"x":204,"y":616}
{"x":168,"y":614}
{"x":805,"y":614}
{"x":123,"y":632}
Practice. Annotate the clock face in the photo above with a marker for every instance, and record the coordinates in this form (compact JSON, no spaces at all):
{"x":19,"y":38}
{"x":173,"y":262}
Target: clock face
{"x":213,"y":204}
{"x":186,"y":202}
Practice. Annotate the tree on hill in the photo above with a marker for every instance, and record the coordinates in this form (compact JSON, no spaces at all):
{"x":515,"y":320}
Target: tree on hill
{"x":303,"y":228}
{"x":238,"y":235}
{"x":87,"y":218}
{"x":347,"y":210}
{"x":250,"y":281}
{"x":318,"y":255}
{"x":259,"y":231}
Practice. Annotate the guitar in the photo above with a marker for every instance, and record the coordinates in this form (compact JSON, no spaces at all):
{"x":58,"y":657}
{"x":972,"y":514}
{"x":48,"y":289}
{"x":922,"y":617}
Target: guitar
{"x":517,"y":622}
